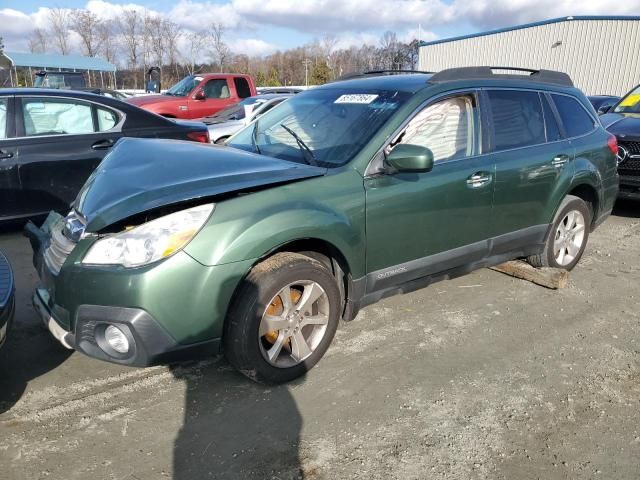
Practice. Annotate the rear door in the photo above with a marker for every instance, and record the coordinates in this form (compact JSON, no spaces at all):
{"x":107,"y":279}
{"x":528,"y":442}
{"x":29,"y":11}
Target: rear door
{"x":423,"y":223}
{"x":532,"y":161}
{"x":61,"y":141}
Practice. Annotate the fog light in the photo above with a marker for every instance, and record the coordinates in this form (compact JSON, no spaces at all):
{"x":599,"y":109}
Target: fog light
{"x":116,"y":339}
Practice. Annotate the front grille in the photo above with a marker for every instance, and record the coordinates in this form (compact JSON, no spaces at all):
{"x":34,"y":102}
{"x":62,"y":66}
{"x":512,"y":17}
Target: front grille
{"x":59,"y":248}
{"x":632,"y":147}
{"x":629,"y":165}
{"x":6,"y":281}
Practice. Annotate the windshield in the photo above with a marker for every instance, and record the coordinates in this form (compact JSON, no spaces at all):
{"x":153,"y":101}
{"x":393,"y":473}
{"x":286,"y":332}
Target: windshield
{"x":630,"y":103}
{"x":234,"y":112}
{"x":184,"y":86}
{"x":334,"y":124}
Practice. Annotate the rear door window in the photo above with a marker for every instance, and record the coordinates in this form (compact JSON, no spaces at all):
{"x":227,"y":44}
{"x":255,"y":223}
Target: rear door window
{"x":242,"y":87}
{"x":51,"y":116}
{"x":574,"y":117}
{"x":518,"y":120}
{"x":107,"y":119}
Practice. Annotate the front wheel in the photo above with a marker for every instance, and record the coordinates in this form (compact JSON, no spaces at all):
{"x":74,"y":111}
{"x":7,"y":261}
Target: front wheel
{"x":282,"y":318}
{"x":568,"y":236}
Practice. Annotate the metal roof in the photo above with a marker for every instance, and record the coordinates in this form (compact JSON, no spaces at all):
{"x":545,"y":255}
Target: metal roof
{"x":533,"y":24}
{"x":54,"y":60}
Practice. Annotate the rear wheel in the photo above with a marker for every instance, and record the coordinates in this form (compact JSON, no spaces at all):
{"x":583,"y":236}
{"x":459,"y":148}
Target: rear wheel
{"x":282,"y":318}
{"x":568,"y":236}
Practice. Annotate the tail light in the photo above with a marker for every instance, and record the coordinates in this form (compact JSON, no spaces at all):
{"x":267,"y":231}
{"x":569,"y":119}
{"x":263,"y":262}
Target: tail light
{"x":612,"y":143}
{"x":202,"y":137}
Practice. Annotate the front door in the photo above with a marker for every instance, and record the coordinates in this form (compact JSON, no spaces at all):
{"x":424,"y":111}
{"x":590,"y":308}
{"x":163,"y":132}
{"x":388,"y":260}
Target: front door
{"x":420,"y":224}
{"x":61,"y":141}
{"x":9,"y":178}
{"x":218,"y":95}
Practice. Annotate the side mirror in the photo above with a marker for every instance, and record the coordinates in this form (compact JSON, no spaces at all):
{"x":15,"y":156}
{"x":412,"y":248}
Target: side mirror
{"x":410,"y":158}
{"x":199,"y":95}
{"x":604,"y":109}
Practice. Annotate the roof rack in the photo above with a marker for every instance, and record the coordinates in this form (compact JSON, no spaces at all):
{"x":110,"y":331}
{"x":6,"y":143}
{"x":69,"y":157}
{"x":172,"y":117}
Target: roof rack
{"x":375,"y":73}
{"x":487,"y":73}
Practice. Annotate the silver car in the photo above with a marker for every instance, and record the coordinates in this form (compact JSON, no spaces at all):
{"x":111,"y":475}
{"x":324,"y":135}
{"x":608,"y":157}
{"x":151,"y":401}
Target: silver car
{"x":226,"y":122}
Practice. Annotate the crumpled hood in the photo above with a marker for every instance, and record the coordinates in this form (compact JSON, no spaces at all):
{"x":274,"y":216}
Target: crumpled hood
{"x":143,"y":174}
{"x":141,"y":100}
{"x":622,"y":124}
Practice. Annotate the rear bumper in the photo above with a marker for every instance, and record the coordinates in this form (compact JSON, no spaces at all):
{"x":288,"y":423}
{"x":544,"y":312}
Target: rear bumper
{"x":149,"y":343}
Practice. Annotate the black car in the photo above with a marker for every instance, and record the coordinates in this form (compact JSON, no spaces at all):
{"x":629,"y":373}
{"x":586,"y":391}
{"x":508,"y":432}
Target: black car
{"x":7,"y":301}
{"x":51,"y":141}
{"x":623,"y":120}
{"x":603,"y":103}
{"x":104,"y":91}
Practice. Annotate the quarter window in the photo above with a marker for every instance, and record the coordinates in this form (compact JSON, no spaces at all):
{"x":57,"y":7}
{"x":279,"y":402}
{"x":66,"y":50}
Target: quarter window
{"x":107,"y":119}
{"x":49,"y":116}
{"x":242,"y":87}
{"x":574,"y":117}
{"x":445,"y":127}
{"x":517,"y":119}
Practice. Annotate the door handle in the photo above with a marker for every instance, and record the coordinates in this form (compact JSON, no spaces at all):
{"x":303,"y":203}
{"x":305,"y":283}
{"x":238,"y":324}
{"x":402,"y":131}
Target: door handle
{"x":4,"y":155}
{"x":102,"y":144}
{"x":560,"y":160}
{"x":479,"y":179}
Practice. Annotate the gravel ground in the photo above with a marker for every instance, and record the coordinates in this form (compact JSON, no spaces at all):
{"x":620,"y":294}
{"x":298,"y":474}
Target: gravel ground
{"x":484,"y":376}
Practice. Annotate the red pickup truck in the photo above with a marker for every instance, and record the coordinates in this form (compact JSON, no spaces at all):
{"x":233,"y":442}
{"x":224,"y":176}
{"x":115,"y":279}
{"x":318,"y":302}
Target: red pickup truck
{"x":197,"y":96}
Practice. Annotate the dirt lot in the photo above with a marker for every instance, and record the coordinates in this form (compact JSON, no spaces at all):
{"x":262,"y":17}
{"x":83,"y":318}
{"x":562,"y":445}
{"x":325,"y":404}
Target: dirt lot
{"x":485,"y":376}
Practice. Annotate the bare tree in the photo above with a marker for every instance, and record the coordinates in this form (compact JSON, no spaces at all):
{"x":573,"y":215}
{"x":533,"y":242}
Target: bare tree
{"x":196,"y":42}
{"x":389,"y":44}
{"x":59,"y":20}
{"x":107,"y":38}
{"x":130,"y":29}
{"x":86,"y":24}
{"x":221,"y":51}
{"x":38,"y":41}
{"x":171,"y":32}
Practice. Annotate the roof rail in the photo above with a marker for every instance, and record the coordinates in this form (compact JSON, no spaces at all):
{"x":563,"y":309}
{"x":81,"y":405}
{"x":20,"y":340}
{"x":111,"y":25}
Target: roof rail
{"x":375,"y":73}
{"x":487,"y":73}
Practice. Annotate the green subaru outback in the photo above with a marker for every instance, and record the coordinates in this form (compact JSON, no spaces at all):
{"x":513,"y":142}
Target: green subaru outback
{"x":337,"y":198}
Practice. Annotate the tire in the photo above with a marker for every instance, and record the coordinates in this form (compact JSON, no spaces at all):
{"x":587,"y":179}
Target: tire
{"x":249,"y":343}
{"x":575,"y":241}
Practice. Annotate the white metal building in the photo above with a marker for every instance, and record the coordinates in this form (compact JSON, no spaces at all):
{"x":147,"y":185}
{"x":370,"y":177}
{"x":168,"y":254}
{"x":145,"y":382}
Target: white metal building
{"x":599,"y":53}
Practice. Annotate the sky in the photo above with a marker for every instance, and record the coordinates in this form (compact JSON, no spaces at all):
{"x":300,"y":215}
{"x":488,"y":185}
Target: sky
{"x":260,"y":27}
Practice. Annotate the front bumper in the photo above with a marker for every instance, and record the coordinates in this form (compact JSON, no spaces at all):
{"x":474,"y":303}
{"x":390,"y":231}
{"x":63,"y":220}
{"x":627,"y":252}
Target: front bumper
{"x":149,"y":343}
{"x":629,"y":187}
{"x":171,"y":310}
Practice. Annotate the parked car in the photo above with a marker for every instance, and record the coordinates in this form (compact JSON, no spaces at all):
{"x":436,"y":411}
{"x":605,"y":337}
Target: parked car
{"x":107,"y":92}
{"x":7,"y":298}
{"x":65,"y":80}
{"x":341,"y":196}
{"x":51,"y":140}
{"x":197,"y":96}
{"x":280,"y":90}
{"x":225,"y":123}
{"x":602,"y":103}
{"x":623,"y":120}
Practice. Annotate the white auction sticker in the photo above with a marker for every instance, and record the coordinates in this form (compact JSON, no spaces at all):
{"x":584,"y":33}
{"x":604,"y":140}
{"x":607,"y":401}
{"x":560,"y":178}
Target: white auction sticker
{"x":364,"y":98}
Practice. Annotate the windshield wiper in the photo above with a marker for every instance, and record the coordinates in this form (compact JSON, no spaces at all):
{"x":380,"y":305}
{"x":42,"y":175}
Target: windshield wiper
{"x":306,"y":151}
{"x":254,"y":137}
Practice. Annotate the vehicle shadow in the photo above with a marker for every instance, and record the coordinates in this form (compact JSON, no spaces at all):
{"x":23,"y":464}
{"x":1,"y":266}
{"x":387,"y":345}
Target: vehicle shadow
{"x":627,"y":208}
{"x":235,"y":428}
{"x":29,"y":350}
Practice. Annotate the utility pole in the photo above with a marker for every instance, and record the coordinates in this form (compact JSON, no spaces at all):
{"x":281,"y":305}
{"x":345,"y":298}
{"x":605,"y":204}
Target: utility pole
{"x":306,"y":62}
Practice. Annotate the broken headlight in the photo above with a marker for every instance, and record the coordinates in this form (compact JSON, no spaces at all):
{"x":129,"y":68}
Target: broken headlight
{"x":151,"y":241}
